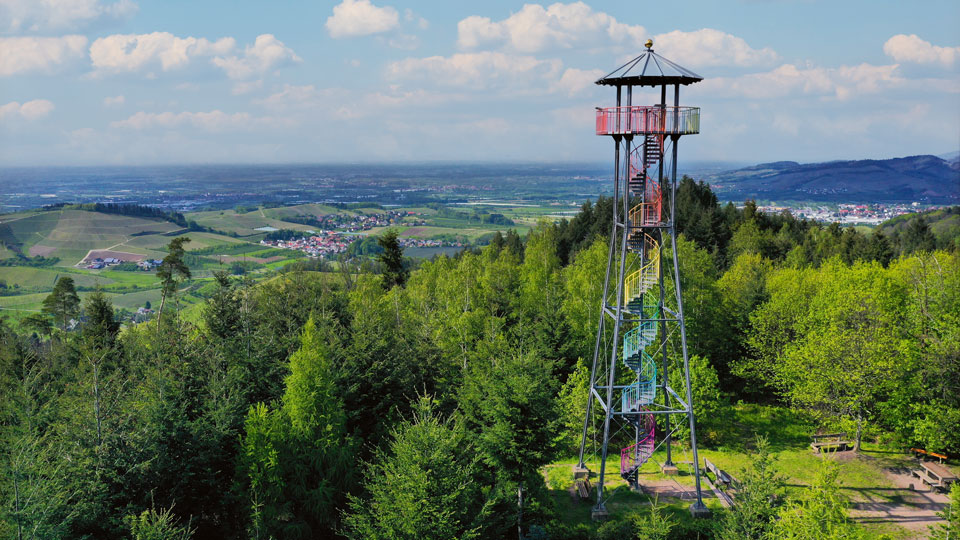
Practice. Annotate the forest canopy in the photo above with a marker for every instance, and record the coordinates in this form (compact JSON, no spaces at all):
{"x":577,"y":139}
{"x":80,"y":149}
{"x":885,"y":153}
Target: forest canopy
{"x":423,"y":402}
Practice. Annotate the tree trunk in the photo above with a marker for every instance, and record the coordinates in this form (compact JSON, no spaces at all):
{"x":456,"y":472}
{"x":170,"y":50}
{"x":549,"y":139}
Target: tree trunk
{"x":520,"y":511}
{"x":96,"y":400}
{"x":856,"y":446}
{"x":163,"y":299}
{"x":16,"y":494}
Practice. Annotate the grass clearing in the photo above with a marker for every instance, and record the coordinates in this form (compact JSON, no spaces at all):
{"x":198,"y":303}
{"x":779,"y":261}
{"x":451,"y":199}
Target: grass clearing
{"x":863,"y":478}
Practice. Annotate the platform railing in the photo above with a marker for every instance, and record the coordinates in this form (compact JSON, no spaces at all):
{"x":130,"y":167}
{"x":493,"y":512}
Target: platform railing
{"x":648,"y":119}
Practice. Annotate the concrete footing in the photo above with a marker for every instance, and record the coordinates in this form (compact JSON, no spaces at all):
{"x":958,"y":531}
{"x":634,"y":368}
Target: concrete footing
{"x":699,"y":510}
{"x":599,"y":514}
{"x":580,"y":472}
{"x":669,"y":469}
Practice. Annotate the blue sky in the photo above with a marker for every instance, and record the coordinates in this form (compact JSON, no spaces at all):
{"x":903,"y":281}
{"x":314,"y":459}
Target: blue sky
{"x":91,"y":82}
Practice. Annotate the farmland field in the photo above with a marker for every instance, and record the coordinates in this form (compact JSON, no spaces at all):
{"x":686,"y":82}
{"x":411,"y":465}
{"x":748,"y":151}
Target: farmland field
{"x":301,"y":209}
{"x":69,"y":234}
{"x":245,"y":224}
{"x":41,"y":279}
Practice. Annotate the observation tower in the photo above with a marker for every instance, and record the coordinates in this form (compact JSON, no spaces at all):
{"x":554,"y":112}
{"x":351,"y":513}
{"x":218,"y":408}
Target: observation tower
{"x":641,"y":317}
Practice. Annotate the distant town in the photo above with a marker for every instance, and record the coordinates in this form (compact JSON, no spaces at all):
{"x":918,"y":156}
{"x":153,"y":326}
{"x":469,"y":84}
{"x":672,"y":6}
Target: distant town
{"x":330,"y":243}
{"x":850,"y":214}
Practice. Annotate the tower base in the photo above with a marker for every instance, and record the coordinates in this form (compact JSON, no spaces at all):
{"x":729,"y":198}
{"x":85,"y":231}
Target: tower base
{"x":669,"y":469}
{"x":580,"y":472}
{"x":599,"y":513}
{"x":699,"y":510}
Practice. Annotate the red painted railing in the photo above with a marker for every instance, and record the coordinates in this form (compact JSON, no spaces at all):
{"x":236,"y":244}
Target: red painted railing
{"x":650,"y":119}
{"x":635,"y":455}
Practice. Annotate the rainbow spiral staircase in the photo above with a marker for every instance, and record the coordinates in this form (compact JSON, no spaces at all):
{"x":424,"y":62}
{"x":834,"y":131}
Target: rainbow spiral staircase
{"x":642,"y":392}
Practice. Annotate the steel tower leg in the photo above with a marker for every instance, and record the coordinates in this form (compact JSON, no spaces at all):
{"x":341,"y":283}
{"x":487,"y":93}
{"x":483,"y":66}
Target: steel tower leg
{"x":600,"y":508}
{"x":603,"y":302}
{"x":697,"y":508}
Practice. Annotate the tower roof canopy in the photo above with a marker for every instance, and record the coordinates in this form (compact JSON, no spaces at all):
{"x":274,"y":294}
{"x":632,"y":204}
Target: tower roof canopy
{"x":649,"y":69}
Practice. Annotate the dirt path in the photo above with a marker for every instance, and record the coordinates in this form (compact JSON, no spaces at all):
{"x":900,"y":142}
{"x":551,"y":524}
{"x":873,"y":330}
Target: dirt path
{"x":663,"y":489}
{"x":911,"y":504}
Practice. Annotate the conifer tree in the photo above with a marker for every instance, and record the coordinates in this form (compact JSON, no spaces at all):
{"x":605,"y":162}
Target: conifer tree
{"x":172,"y":270}
{"x":62,"y":303}
{"x":100,"y":327}
{"x":758,"y":498}
{"x":298,"y":458}
{"x":421,"y":486}
{"x":391,"y":258}
{"x":819,"y":514}
{"x":950,"y":528}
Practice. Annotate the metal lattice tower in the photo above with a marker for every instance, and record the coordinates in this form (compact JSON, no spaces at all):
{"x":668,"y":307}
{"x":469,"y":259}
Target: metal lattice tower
{"x":629,"y":378}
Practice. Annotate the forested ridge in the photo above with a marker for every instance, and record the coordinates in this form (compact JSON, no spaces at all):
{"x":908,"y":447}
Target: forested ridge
{"x":424,"y":402}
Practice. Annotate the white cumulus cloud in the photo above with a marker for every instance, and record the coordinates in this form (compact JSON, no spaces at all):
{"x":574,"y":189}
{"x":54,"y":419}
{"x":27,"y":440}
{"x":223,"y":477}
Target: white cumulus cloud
{"x":478,"y":70}
{"x":133,"y":52}
{"x":841,"y":82}
{"x":111,"y":101}
{"x":24,"y":54}
{"x":558,"y":26}
{"x":361,"y":18}
{"x":31,"y":110}
{"x":912,"y":48}
{"x":58,"y":15}
{"x":573,"y":81}
{"x":709,"y":47}
{"x":266,"y":53}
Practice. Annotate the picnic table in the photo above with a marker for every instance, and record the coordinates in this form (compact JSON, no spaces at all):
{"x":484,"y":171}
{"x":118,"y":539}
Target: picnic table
{"x":828,"y":441}
{"x":936,"y":475}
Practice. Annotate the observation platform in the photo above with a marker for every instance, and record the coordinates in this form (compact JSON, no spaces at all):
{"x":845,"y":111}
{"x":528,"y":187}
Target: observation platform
{"x":648,"y":120}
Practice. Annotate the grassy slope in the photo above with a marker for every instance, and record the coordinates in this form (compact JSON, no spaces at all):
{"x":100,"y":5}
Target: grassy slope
{"x":43,"y":279}
{"x":241,"y":224}
{"x":198,"y":240}
{"x":71,"y":233}
{"x":301,"y":210}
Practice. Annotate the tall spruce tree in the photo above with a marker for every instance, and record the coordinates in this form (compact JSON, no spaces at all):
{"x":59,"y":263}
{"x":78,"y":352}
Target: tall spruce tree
{"x":101,"y":326}
{"x":172,"y":271}
{"x":420,"y":487}
{"x":62,"y":303}
{"x":758,"y":498}
{"x":298,"y":458}
{"x":391,"y":258}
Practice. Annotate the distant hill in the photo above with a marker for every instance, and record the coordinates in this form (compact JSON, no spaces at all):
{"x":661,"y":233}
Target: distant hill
{"x":944,"y":225}
{"x":927,"y":179}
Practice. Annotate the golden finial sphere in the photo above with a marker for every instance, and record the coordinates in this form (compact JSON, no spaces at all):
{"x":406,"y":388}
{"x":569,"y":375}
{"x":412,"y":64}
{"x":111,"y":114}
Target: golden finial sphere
{"x":648,"y":44}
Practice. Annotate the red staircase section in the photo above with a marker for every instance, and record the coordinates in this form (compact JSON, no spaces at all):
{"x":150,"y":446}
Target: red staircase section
{"x":635,"y":455}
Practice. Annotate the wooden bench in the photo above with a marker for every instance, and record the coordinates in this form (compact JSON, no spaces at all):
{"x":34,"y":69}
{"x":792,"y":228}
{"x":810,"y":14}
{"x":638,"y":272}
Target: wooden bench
{"x":835,"y":441}
{"x":926,"y":478}
{"x":721,"y":476}
{"x":584,"y":488}
{"x":920,"y":453}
